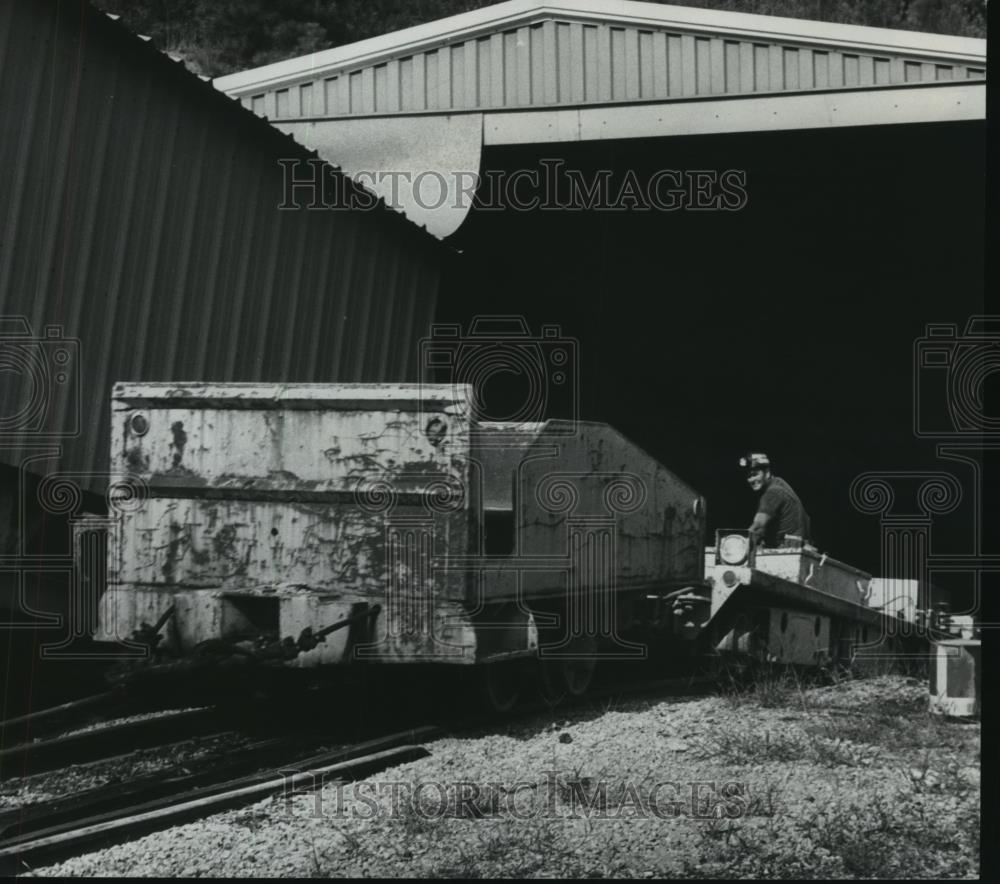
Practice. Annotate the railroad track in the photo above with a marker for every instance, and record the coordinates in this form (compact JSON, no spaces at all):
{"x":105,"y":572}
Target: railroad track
{"x":108,"y":741}
{"x":52,"y":831}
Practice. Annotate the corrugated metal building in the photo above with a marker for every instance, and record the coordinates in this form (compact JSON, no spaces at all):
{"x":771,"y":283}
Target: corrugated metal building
{"x":566,"y":52}
{"x":785,"y":321}
{"x":140,"y":239}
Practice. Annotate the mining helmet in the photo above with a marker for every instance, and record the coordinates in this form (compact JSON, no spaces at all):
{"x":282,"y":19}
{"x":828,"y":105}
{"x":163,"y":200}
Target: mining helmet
{"x":755,"y":461}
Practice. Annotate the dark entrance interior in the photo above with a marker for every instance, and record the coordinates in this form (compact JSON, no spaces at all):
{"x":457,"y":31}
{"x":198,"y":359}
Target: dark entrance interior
{"x":787,"y":326}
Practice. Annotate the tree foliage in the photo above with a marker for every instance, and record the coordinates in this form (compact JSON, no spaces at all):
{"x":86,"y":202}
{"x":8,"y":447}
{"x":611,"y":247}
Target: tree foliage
{"x":221,"y":36}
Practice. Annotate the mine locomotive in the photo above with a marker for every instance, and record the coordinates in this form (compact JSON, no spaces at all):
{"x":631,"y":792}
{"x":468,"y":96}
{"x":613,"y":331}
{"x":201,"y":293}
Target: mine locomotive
{"x":308,"y":525}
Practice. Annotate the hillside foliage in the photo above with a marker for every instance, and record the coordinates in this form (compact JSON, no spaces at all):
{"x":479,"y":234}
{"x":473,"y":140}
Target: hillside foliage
{"x":221,"y":36}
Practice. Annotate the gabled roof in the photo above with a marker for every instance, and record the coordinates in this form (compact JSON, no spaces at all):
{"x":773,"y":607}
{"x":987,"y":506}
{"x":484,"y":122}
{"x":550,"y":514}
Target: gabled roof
{"x":853,"y":40}
{"x":165,"y":63}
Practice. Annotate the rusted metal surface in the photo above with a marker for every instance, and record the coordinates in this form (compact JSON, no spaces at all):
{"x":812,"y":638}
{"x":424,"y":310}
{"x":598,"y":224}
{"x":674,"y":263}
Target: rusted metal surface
{"x":531,"y":54}
{"x":267,"y":510}
{"x":593,"y":514}
{"x":316,"y":496}
{"x":140,"y":222}
{"x":805,"y":568}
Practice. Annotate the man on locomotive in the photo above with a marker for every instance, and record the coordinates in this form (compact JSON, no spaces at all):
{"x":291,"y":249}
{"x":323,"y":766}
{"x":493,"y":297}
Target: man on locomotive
{"x":781,"y":520}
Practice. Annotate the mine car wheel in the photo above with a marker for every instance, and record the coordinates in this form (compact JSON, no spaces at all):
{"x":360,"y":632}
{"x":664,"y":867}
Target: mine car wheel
{"x":578,"y":675}
{"x":561,"y":678}
{"x":500,"y":685}
{"x":550,"y":682}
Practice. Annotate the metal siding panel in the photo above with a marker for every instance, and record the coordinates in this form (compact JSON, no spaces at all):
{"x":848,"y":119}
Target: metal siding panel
{"x":748,"y":79}
{"x":486,"y":85}
{"x":420,"y":81}
{"x":821,"y":69}
{"x":306,"y":91}
{"x":866,"y":70}
{"x":912,"y":72}
{"x":431,"y":71}
{"x":367,"y":92}
{"x":776,"y":68}
{"x":344,"y":93}
{"x":647,"y":76}
{"x":346,"y":251}
{"x":807,"y":79}
{"x":761,"y":68}
{"x":445,"y":77}
{"x":510,"y":66}
{"x":852,"y":71}
{"x":578,"y":67}
{"x":380,"y":89}
{"x":883,"y":72}
{"x":164,"y":252}
{"x":510,"y":69}
{"x":544,"y":64}
{"x":731,"y":64}
{"x":361,"y":301}
{"x":703,"y":65}
{"x":605,"y":64}
{"x":944,"y":72}
{"x":616,"y":63}
{"x":318,"y":323}
{"x":591,"y":73}
{"x":566,"y":66}
{"x":632,"y":63}
{"x":18,"y":155}
{"x":928,"y":72}
{"x":689,"y":66}
{"x":330,"y":105}
{"x":259,"y":103}
{"x":470,"y":70}
{"x":393,"y":99}
{"x":790,"y":72}
{"x":458,"y":76}
{"x":718,"y":54}
{"x":836,"y":66}
{"x":897,"y":70}
{"x":674,"y":75}
{"x":660,"y":87}
{"x":498,"y":71}
{"x":355,"y":99}
{"x":215,"y":310}
{"x":406,"y":87}
{"x":524,"y":66}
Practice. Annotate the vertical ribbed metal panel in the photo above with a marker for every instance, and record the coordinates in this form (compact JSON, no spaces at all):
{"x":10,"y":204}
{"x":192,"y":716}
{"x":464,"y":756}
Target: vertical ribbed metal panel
{"x":139,"y":215}
{"x":552,"y":62}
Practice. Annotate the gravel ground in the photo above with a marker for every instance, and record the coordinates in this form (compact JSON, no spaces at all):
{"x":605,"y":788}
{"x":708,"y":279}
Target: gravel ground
{"x":853,"y":780}
{"x":105,"y":771}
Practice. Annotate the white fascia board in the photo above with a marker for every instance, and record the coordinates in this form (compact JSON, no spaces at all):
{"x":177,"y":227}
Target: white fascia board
{"x":803,"y":110}
{"x":520,"y":13}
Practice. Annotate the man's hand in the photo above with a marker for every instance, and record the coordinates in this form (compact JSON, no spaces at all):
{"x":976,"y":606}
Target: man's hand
{"x":757,"y":528}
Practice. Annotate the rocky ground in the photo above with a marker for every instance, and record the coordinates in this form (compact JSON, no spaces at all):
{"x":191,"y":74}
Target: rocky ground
{"x":851,"y":780}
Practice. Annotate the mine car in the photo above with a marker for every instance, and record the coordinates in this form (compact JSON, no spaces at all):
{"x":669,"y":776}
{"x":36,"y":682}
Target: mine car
{"x":314,"y":525}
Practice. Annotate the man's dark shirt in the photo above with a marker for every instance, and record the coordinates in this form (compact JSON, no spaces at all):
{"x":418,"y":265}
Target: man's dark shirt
{"x":787,"y":515}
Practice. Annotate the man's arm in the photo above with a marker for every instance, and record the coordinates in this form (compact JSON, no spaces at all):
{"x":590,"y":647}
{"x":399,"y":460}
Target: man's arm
{"x":757,"y":528}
